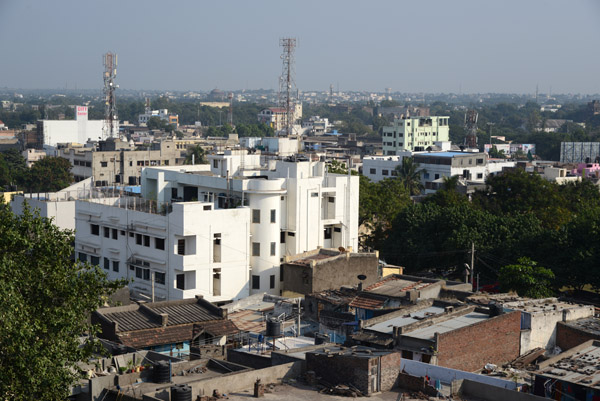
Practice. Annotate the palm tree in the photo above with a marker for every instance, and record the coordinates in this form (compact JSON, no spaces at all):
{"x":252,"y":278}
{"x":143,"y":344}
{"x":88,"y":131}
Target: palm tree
{"x":410,"y":176}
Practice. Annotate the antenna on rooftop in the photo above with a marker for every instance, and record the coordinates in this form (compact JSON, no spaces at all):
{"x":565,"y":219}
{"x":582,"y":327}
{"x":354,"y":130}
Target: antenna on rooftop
{"x":287,"y":83}
{"x":110,"y":105}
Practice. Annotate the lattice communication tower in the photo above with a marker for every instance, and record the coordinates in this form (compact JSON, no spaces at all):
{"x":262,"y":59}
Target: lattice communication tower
{"x":287,"y":83}
{"x":471,"y":128}
{"x":110,"y":104}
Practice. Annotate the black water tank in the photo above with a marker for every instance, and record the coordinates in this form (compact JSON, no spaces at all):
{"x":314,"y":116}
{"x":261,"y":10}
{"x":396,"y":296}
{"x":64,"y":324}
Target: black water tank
{"x":321,"y":338}
{"x":181,"y":392}
{"x":496,"y":310}
{"x":273,"y":327}
{"x":162,"y":372}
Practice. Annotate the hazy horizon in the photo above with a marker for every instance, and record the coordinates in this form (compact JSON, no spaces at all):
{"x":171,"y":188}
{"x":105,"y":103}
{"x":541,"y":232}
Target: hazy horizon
{"x":430,"y":46}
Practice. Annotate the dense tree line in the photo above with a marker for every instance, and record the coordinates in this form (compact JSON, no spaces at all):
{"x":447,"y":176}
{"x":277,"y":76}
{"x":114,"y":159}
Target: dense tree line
{"x":519,"y":215}
{"x":46,"y":299}
{"x":49,"y":174}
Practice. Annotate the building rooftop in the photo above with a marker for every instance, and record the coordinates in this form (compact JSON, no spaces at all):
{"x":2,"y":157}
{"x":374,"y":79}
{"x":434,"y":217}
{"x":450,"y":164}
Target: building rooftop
{"x":387,"y":327}
{"x":587,"y":324}
{"x":449,"y":154}
{"x":153,"y":315}
{"x":396,"y":285}
{"x":580,"y":365}
{"x":428,"y":333}
{"x":355,"y":351}
{"x":539,"y":305}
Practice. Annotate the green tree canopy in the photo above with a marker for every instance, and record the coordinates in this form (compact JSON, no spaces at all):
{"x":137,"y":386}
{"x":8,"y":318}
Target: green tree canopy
{"x":46,"y":297}
{"x":527,"y":279}
{"x":49,"y":174}
{"x":197,"y":154}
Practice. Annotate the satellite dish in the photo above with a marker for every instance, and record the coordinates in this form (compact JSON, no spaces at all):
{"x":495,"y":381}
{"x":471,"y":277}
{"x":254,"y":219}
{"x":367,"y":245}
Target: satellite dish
{"x":361,"y":277}
{"x":342,"y":249}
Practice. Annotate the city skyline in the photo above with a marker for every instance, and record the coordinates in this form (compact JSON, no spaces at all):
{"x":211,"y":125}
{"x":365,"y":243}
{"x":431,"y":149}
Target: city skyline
{"x":437,"y":47}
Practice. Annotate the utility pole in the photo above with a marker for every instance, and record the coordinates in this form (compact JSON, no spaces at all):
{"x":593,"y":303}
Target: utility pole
{"x":491,"y":125}
{"x":473,"y":264}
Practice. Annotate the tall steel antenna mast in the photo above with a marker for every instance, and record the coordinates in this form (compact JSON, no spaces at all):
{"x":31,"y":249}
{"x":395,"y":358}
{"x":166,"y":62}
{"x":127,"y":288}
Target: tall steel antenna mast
{"x":287,"y":83}
{"x":110,"y":104}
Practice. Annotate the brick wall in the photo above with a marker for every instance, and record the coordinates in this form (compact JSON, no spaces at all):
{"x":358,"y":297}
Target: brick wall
{"x":495,"y":340}
{"x":390,"y":367}
{"x":340,"y":369}
{"x":568,"y":337}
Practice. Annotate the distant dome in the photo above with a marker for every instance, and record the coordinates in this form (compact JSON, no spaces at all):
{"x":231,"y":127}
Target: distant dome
{"x":216,"y":92}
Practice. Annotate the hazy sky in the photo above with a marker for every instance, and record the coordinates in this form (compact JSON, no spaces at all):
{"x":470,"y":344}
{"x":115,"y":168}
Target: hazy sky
{"x":409,"y":46}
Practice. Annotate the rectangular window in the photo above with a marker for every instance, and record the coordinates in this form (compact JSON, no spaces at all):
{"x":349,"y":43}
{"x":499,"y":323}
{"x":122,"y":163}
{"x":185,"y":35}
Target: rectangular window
{"x":385,"y":172}
{"x":106,"y":264}
{"x":256,"y":215}
{"x":181,"y":247}
{"x":103,"y":164}
{"x":215,"y":164}
{"x":106,"y":232}
{"x":139,"y":272}
{"x":95,"y":260}
{"x":115,"y":233}
{"x":159,"y":243}
{"x":159,"y":278}
{"x":273,"y":216}
{"x":273,"y":248}
{"x":437,"y":176}
{"x":282,"y":237}
{"x":373,"y":171}
{"x":314,"y":195}
{"x":479,"y":175}
{"x":272,"y":281}
{"x":181,"y":281}
{"x":82,"y":257}
{"x":217,"y":248}
{"x":256,"y":282}
{"x":280,"y":272}
{"x":173,"y":192}
{"x":256,"y":249}
{"x":146,"y":274}
{"x":115,"y":266}
{"x":291,"y":234}
{"x":132,"y":234}
{"x":327,"y":233}
{"x":138,"y":239}
{"x":146,"y":240}
{"x":95,"y":229}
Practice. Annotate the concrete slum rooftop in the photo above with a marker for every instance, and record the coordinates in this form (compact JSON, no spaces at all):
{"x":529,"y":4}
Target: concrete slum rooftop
{"x":588,"y":324}
{"x":395,"y":285}
{"x":387,"y":327}
{"x":533,"y":306}
{"x":355,"y":351}
{"x":579,"y":365}
{"x":428,"y":333}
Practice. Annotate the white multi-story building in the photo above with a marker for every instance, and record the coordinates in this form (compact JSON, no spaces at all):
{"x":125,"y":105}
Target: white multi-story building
{"x":472,"y":167}
{"x":163,"y":114}
{"x":434,"y":166}
{"x":414,"y":134}
{"x":219,"y":230}
{"x":81,"y":130}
